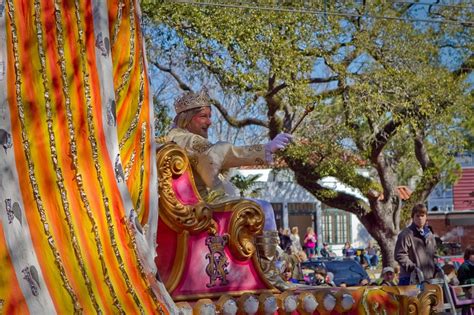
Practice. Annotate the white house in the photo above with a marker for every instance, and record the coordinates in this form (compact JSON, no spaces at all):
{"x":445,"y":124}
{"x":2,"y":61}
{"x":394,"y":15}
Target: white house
{"x":295,"y":206}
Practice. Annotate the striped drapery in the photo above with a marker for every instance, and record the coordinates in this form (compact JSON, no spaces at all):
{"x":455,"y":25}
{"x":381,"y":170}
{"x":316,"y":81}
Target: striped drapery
{"x":78,"y":202}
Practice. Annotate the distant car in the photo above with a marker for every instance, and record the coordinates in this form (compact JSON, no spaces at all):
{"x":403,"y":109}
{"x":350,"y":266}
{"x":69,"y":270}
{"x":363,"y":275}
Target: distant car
{"x":346,"y":270}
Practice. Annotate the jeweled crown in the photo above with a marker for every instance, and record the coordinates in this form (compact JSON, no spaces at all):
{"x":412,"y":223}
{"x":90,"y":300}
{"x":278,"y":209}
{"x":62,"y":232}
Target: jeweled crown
{"x":191,"y":100}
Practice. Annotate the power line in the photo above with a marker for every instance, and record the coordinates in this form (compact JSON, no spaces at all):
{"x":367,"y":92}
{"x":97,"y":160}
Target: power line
{"x":435,"y":4}
{"x":317,"y":12}
{"x":402,"y":2}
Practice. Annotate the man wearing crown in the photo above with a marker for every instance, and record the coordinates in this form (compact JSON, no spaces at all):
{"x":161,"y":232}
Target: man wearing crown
{"x":210,"y":160}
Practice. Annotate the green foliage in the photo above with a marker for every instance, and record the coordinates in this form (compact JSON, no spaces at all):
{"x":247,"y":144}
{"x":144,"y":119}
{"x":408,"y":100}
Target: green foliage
{"x":162,"y":118}
{"x":324,"y":159}
{"x":242,"y":57}
{"x":246,"y":184}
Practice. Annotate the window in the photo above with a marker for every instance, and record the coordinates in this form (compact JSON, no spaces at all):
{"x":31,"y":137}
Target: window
{"x":327,"y":229}
{"x":301,"y":207}
{"x":341,"y":229}
{"x":278,"y":210}
{"x":336,"y":227}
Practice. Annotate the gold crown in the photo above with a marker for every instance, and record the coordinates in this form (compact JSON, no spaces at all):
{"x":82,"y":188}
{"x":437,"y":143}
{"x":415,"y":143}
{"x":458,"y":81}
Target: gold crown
{"x":191,"y":100}
{"x":217,"y":243}
{"x":216,"y":247}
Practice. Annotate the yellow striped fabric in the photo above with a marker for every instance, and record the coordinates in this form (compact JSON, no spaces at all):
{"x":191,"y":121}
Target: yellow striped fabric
{"x":77,"y":172}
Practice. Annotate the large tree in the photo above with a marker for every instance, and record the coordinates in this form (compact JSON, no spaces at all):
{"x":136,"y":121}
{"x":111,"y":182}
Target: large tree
{"x":386,"y":98}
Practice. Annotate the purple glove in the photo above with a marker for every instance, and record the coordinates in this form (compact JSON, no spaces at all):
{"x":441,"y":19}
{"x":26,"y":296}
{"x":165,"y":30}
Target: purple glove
{"x":278,"y":143}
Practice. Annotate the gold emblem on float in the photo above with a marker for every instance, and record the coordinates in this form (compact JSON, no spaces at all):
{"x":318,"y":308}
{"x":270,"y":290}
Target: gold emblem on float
{"x":217,"y":267}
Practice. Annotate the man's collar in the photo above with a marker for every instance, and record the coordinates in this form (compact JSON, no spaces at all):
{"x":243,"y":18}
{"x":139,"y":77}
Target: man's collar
{"x":423,"y":231}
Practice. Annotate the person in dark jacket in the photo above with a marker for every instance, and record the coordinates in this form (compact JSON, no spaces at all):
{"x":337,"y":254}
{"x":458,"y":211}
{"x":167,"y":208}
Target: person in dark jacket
{"x":466,"y":271}
{"x":416,"y":247}
{"x":325,"y":251}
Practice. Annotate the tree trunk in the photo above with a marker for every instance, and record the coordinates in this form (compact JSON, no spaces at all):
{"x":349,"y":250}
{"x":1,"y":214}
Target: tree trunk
{"x":387,"y":249}
{"x":386,"y":238}
{"x":382,"y":225}
{"x":380,"y":218}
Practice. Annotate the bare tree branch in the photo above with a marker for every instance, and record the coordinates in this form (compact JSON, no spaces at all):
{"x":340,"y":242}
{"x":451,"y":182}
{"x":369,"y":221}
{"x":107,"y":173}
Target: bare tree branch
{"x":271,"y":83}
{"x":339,"y":199}
{"x":377,"y":158}
{"x":323,"y":80}
{"x":381,"y":139}
{"x":421,"y":153}
{"x":431,"y":175}
{"x":183,"y":86}
{"x":466,"y":67}
{"x":220,"y":107}
{"x":396,"y":212}
{"x":234,"y":122}
{"x":274,"y":90}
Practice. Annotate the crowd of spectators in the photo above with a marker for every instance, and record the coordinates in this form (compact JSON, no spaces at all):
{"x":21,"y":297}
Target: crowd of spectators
{"x":414,"y":254}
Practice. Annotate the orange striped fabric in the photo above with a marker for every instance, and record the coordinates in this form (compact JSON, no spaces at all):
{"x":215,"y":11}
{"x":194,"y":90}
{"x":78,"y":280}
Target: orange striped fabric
{"x":77,"y":172}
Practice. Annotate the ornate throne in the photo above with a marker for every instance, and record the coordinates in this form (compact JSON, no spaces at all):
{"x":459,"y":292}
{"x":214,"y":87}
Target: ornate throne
{"x":203,"y":250}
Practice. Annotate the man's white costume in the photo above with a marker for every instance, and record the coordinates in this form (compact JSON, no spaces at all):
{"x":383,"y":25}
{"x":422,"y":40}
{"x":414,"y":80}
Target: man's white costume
{"x":210,"y":160}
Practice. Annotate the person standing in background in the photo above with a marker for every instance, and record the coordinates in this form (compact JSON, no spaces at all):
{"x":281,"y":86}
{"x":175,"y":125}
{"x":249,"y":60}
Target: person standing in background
{"x":416,"y":247}
{"x":310,"y":241}
{"x":466,"y":271}
{"x":295,"y":240}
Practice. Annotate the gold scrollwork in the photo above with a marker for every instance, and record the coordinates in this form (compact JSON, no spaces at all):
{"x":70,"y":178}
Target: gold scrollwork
{"x":436,"y":297}
{"x":424,"y":303}
{"x":179,"y":262}
{"x":172,"y":163}
{"x":413,"y":305}
{"x":246,"y":222}
{"x":429,"y":299}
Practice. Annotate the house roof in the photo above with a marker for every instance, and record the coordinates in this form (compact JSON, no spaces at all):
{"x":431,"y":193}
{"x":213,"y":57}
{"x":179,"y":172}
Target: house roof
{"x":404,"y":192}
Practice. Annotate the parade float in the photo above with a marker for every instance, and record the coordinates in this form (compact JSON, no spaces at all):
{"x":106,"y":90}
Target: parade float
{"x":98,"y":218}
